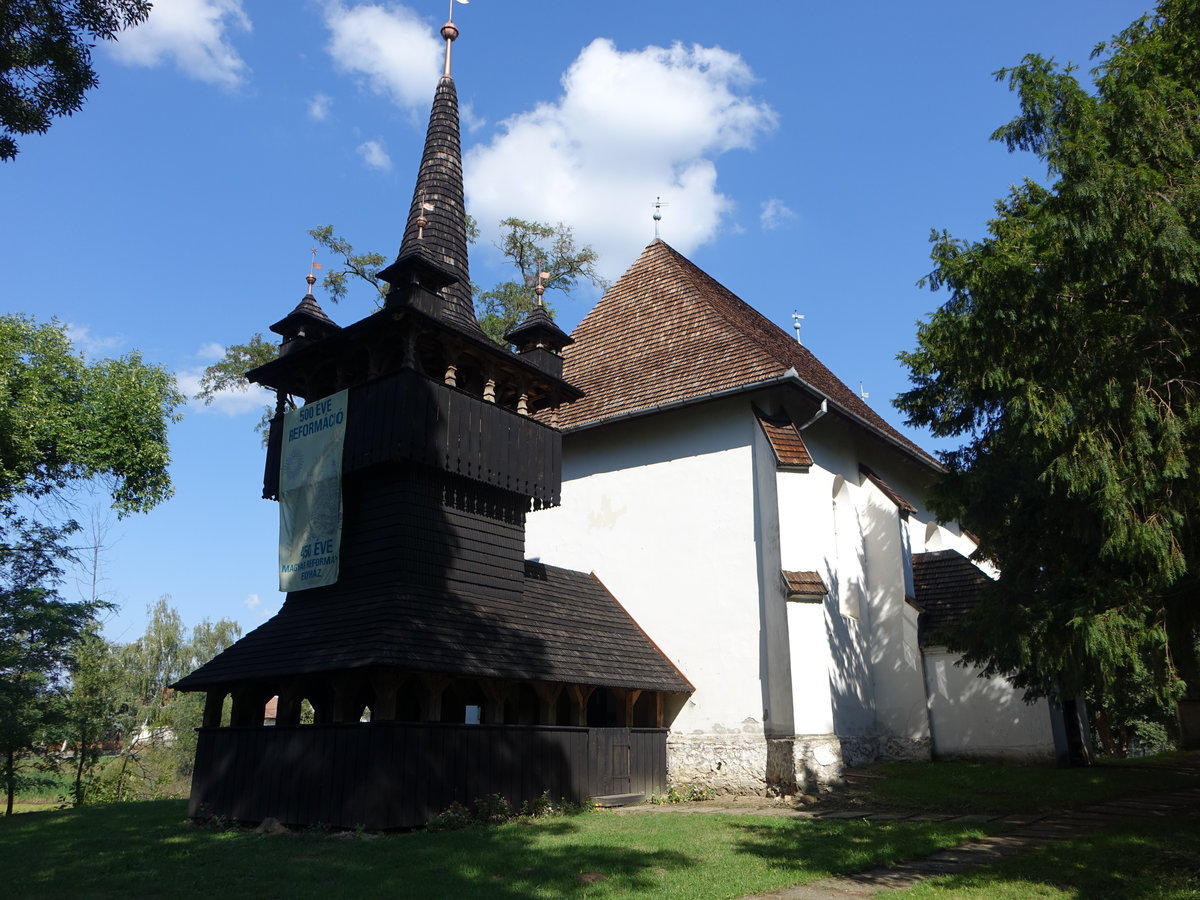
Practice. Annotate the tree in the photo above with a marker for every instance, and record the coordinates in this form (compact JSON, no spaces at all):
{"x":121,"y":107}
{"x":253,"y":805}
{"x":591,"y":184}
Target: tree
{"x":46,"y":59}
{"x":157,"y":725}
{"x":532,"y":247}
{"x":64,"y":423}
{"x":540,"y":252}
{"x":90,"y":708}
{"x":1065,"y":360}
{"x":37,"y":632}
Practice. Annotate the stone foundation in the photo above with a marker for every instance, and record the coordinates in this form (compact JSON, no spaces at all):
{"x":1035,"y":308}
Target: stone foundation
{"x":754,"y":764}
{"x":862,"y":750}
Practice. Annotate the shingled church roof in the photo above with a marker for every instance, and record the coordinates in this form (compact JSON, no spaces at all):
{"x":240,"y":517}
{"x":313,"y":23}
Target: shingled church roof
{"x":668,"y":333}
{"x":947,"y":587}
{"x":566,"y":628}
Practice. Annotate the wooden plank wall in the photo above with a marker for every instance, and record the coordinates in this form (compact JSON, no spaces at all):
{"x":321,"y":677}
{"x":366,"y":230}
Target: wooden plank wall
{"x":396,"y":775}
{"x":423,"y":528}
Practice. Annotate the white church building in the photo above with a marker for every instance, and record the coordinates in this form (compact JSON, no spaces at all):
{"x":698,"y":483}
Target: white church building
{"x":766,"y":529}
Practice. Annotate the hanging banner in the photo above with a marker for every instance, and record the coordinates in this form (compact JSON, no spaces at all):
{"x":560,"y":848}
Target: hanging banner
{"x":310,"y":493}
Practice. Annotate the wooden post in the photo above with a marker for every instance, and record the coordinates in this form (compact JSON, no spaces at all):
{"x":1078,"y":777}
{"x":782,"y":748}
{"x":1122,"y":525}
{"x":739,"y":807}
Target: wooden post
{"x":387,"y":689}
{"x":579,"y":700}
{"x":659,"y":714}
{"x":626,"y":698}
{"x":287,"y":709}
{"x":214,"y":702}
{"x":547,"y":695}
{"x":247,"y":706}
{"x":497,"y":693}
{"x":342,"y":692}
{"x":431,"y":699}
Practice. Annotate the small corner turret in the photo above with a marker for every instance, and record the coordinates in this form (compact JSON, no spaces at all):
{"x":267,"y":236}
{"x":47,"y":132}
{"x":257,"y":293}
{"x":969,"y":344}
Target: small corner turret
{"x":305,"y":324}
{"x":539,"y":341}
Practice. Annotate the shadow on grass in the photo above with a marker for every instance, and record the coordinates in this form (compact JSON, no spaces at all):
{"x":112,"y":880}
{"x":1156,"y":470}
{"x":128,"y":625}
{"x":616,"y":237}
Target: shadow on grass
{"x":961,"y":787}
{"x":150,"y":850}
{"x":1150,"y":859}
{"x":827,"y":848}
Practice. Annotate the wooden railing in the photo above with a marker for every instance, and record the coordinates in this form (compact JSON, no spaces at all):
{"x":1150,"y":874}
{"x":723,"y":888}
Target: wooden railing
{"x":406,"y":417}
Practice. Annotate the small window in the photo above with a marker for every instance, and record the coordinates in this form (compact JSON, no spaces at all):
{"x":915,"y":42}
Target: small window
{"x":473,"y":714}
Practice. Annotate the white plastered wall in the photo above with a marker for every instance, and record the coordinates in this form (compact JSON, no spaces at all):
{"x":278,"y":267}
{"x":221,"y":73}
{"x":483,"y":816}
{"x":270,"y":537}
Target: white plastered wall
{"x":900,"y":709}
{"x":982,"y":717}
{"x":831,"y":688}
{"x":662,"y":509}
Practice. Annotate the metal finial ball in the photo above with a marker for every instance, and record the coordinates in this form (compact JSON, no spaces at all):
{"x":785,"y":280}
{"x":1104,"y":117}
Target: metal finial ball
{"x":311,"y":279}
{"x":450,"y":31}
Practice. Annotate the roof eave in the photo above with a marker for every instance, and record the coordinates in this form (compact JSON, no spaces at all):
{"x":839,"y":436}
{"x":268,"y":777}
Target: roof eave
{"x":792,"y":378}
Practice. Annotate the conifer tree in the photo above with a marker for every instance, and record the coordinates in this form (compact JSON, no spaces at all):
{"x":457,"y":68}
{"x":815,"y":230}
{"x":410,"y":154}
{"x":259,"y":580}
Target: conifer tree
{"x":1065,"y":360}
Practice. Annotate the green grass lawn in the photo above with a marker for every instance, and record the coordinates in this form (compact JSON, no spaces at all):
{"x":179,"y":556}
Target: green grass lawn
{"x":149,"y":850}
{"x":1149,"y":859}
{"x":968,"y":787}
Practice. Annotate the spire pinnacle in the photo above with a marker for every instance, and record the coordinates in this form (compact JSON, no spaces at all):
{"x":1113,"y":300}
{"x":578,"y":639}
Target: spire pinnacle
{"x":435,"y":236}
{"x":658,"y":205}
{"x":450,"y":33}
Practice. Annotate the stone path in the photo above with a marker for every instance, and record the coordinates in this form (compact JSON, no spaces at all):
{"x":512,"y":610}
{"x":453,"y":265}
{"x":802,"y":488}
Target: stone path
{"x":1031,"y":831}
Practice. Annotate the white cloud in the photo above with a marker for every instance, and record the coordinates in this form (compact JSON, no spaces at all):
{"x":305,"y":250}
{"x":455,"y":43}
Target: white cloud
{"x":231,"y":402}
{"x":391,"y":46}
{"x":466,"y":114}
{"x":775,"y":214}
{"x":375,"y":155}
{"x":210,"y":352}
{"x":262,"y":611}
{"x":629,"y":127}
{"x":192,"y":33}
{"x":318,"y":107}
{"x":92,"y":345}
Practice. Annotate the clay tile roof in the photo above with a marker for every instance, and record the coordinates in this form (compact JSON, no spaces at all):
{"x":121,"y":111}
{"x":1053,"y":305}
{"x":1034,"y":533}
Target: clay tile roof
{"x":785,"y":439}
{"x":666,"y":332}
{"x":947,"y":587}
{"x":804,"y":585}
{"x":888,"y":491}
{"x":565,"y":628}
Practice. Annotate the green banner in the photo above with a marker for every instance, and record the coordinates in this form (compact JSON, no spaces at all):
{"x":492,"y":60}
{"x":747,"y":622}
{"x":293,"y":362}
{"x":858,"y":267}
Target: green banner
{"x":310,"y":493}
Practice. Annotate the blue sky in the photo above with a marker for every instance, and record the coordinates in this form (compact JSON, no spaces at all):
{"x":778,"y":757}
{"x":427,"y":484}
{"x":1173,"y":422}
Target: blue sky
{"x":805,"y":151}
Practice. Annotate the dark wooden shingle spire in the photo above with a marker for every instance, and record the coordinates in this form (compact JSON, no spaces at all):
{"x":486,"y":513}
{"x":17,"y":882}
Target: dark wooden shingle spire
{"x":436,"y":233}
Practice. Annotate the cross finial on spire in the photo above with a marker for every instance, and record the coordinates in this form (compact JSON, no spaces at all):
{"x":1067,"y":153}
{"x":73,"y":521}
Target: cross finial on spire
{"x":541,"y":286}
{"x":313,"y":264}
{"x":658,"y":205}
{"x":797,"y":318}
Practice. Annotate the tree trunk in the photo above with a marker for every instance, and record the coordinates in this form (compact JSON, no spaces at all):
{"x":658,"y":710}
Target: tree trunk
{"x":1104,"y":732}
{"x":10,"y":779}
{"x":79,"y":759}
{"x":1181,"y":644}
